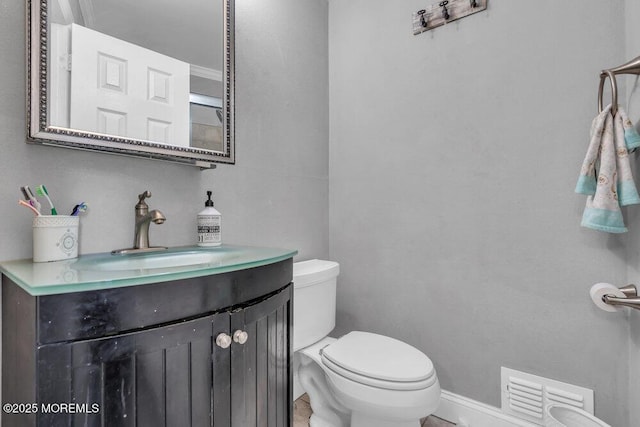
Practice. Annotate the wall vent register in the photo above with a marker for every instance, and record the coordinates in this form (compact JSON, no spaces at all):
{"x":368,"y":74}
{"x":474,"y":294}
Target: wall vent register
{"x":525,"y":396}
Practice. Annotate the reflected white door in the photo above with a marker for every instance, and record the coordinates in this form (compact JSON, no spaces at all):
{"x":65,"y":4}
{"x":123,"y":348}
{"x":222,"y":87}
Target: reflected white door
{"x":119,"y":88}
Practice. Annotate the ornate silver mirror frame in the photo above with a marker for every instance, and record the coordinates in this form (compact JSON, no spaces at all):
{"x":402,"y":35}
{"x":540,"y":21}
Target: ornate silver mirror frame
{"x":40,"y":131}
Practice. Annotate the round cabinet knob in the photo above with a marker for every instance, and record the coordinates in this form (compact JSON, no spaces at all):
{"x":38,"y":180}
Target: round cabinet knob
{"x":223,"y":340}
{"x":240,"y":337}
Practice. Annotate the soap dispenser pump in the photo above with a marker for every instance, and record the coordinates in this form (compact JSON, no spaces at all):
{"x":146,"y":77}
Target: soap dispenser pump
{"x":209,"y":224}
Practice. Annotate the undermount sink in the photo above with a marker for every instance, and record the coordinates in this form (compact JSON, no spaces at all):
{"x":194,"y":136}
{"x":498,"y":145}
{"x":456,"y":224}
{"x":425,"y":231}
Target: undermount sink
{"x":154,"y":260}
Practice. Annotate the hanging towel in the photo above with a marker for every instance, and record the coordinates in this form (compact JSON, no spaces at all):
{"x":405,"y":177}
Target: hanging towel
{"x":612,"y":185}
{"x":631,"y":136}
{"x":627,"y":192}
{"x":587,"y":179}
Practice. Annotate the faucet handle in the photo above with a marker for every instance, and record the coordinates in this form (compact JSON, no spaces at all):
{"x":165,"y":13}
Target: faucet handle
{"x":143,"y":196}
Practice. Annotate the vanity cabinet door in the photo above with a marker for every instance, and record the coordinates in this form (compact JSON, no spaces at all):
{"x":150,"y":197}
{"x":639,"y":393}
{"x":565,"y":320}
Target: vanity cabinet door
{"x":155,"y":377}
{"x":261,"y":384}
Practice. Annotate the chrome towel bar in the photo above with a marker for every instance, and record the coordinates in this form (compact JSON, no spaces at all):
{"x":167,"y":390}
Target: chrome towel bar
{"x":631,"y":67}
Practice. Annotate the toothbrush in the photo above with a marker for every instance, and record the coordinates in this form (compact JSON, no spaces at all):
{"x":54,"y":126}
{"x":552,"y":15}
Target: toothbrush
{"x":77,"y":209}
{"x":28,"y":205}
{"x":42,"y":191}
{"x":28,"y":195}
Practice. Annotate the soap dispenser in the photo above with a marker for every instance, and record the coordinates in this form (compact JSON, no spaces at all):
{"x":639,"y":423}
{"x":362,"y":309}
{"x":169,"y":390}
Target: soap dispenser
{"x":209,"y":224}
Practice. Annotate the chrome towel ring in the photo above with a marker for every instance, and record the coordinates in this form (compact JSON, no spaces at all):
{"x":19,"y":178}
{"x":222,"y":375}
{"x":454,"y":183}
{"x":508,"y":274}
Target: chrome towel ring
{"x":614,"y":91}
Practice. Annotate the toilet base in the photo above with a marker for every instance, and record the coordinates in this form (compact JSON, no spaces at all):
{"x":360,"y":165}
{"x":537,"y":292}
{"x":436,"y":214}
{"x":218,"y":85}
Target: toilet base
{"x":362,"y":420}
{"x":327,"y":412}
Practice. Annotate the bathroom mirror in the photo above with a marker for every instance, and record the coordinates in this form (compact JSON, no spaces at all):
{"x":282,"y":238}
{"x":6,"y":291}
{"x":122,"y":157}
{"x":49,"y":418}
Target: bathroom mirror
{"x":146,"y":78}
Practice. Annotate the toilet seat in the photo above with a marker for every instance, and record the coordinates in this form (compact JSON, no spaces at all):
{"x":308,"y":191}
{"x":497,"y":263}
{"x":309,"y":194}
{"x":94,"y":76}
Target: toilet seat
{"x":379,"y":361}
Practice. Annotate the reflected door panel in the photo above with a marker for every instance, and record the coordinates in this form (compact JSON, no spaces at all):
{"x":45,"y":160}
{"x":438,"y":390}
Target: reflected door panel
{"x":119,"y":88}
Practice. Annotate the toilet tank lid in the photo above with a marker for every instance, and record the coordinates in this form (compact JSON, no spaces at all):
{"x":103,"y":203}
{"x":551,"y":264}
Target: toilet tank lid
{"x":307,"y":273}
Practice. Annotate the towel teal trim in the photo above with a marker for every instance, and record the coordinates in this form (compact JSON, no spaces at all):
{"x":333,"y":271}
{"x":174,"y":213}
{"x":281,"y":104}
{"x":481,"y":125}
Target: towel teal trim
{"x":627,"y":193}
{"x":603,"y":220}
{"x":586,"y":185}
{"x":631,"y":138}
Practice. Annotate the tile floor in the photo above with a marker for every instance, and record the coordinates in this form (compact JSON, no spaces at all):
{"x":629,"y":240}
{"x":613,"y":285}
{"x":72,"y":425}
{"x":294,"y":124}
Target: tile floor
{"x":302,"y":412}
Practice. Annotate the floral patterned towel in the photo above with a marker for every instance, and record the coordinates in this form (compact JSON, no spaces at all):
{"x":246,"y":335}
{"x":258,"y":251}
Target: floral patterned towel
{"x":610,"y":185}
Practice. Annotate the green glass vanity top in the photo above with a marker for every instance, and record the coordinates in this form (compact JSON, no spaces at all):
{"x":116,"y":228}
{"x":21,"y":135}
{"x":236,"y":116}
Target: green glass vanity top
{"x":104,"y":271}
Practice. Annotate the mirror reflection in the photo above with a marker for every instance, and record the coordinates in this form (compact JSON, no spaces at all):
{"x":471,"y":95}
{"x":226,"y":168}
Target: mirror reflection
{"x":147,"y":72}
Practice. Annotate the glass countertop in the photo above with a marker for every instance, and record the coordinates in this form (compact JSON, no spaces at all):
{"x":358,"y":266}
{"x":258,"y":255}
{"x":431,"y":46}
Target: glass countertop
{"x":105,"y":271}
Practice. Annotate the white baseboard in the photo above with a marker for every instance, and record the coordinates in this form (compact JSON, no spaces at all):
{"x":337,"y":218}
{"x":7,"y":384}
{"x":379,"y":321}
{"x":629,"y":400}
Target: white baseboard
{"x":465,"y":412}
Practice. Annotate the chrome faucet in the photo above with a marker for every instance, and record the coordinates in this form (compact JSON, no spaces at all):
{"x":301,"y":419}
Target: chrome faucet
{"x":143,"y":219}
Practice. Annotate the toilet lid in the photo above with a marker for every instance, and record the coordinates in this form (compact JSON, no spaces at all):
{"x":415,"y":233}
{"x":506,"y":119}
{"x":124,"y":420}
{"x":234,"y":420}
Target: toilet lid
{"x":378,"y":357}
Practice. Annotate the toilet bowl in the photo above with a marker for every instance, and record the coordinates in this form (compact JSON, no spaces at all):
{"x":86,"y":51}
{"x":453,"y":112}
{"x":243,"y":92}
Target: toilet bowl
{"x":558,"y":415}
{"x":360,"y":379}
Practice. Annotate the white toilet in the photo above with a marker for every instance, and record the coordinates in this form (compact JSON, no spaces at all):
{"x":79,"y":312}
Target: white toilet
{"x":361,"y":379}
{"x":559,"y":415}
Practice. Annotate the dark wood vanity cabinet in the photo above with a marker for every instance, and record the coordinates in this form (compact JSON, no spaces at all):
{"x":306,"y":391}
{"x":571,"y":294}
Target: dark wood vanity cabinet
{"x":261,"y":387}
{"x":154,"y":377}
{"x":83,"y":350}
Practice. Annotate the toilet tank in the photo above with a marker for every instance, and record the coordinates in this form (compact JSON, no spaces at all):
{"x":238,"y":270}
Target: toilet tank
{"x":314,"y":301}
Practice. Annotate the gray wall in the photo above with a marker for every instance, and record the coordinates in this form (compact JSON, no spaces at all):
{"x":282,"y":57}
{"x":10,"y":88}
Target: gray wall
{"x":453,"y":158}
{"x":276,"y":194}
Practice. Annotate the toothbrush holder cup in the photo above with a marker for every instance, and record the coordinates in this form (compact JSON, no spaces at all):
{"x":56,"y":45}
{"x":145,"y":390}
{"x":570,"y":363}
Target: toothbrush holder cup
{"x":55,"y":237}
